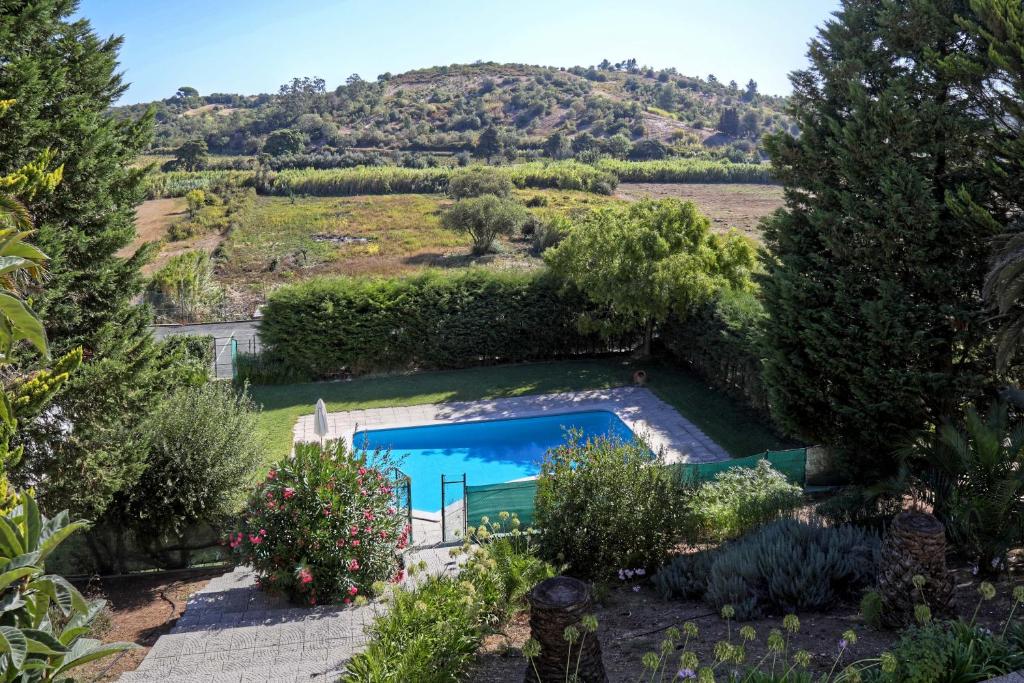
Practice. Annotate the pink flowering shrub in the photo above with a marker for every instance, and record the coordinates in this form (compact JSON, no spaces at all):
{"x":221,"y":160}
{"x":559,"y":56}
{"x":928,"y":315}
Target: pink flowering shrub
{"x":323,"y":527}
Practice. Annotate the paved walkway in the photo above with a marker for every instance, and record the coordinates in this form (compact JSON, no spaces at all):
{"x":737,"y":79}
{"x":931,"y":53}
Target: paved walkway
{"x":231,"y":632}
{"x":660,"y":424}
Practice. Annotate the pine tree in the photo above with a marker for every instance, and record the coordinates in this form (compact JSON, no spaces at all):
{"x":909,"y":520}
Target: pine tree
{"x":62,"y":78}
{"x":729,"y":121}
{"x":876,"y":326}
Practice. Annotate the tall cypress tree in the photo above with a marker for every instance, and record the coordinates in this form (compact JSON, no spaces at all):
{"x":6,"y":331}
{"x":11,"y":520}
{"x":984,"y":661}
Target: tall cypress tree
{"x":876,"y":326}
{"x":63,"y":78}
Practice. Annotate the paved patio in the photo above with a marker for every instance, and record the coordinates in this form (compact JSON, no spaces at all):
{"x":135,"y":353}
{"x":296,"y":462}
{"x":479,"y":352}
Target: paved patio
{"x":231,"y":632}
{"x":641,"y":410}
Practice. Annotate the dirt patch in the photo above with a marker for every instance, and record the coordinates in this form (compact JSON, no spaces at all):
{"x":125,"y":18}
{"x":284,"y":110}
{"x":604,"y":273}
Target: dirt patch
{"x":141,"y":609}
{"x":152,"y":218}
{"x":728,"y":205}
{"x":632,"y":623}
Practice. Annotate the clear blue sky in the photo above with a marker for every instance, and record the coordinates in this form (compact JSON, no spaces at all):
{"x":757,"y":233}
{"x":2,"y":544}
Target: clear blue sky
{"x":255,"y":45}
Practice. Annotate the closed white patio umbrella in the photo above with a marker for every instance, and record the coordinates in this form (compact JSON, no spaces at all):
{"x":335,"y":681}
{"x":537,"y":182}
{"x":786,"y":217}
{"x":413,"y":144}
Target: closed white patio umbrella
{"x":320,"y":421}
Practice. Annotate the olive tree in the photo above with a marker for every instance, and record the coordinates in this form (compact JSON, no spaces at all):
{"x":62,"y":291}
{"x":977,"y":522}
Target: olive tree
{"x":485,"y":218}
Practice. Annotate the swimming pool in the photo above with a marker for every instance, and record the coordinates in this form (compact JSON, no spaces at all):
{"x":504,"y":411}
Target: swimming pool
{"x":486,"y":451}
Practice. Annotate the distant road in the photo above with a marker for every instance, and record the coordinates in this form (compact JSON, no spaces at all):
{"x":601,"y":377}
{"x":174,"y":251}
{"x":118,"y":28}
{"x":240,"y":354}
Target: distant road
{"x":245,"y":331}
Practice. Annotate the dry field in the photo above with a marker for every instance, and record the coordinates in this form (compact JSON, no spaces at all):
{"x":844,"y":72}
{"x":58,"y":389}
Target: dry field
{"x":727,"y":204}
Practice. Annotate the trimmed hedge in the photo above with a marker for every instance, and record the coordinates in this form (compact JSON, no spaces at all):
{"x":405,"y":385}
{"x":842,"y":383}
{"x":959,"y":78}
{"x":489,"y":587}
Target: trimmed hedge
{"x":334,"y":326}
{"x":720,"y":342}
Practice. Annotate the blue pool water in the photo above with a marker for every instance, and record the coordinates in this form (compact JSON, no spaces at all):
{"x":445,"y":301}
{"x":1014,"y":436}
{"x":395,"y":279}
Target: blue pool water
{"x":487,"y":452}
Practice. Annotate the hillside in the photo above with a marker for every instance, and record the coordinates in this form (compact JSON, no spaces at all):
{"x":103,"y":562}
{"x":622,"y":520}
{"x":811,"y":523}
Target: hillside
{"x":520,"y":111}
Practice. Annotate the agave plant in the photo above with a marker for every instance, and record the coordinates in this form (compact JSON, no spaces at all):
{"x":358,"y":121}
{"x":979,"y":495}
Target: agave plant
{"x":32,"y":646}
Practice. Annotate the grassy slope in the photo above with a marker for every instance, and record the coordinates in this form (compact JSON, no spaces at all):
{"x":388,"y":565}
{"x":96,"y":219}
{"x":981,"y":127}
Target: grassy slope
{"x":737,"y":430}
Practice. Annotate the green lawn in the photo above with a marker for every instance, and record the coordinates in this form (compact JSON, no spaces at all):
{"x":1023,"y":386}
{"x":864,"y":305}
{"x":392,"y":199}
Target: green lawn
{"x":739,"y":431}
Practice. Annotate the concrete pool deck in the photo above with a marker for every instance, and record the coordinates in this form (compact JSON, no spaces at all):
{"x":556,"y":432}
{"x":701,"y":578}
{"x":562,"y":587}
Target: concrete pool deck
{"x":660,"y":425}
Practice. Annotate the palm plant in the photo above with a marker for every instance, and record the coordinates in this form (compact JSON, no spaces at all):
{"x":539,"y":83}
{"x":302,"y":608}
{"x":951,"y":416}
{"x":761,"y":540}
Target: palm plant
{"x":977,"y":475}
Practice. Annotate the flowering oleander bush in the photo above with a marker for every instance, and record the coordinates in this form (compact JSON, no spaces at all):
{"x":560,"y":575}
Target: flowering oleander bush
{"x":324,"y":526}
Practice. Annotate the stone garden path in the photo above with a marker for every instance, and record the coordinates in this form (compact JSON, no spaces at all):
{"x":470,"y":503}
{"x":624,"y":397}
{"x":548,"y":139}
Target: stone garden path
{"x":232,"y":632}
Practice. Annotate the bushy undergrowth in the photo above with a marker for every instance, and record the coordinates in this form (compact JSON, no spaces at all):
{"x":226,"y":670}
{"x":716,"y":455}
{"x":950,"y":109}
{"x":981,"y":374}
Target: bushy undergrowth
{"x":783,"y":566}
{"x":431,"y":632}
{"x":686,"y":171}
{"x":740,"y":499}
{"x":604,"y":504}
{"x":333,"y":326}
{"x":324,"y":527}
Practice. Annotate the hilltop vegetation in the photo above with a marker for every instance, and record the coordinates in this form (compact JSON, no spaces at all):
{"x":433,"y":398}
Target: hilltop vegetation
{"x":488,"y":110}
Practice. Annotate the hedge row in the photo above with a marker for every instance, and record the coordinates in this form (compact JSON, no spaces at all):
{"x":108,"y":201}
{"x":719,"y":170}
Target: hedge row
{"x":720,"y":342}
{"x":335,"y":326}
{"x":686,"y":171}
{"x":564,"y":175}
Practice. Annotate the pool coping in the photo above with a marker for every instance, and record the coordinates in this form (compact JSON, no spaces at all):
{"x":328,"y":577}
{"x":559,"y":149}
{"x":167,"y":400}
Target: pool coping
{"x":663,"y":428}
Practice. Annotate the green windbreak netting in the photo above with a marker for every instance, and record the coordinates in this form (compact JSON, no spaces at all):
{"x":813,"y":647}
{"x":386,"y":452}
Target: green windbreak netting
{"x":792,"y":463}
{"x":489,"y":500}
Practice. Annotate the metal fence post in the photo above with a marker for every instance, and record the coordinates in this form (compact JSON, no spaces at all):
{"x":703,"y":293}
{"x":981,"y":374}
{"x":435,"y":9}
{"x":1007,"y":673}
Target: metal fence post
{"x":443,"y":515}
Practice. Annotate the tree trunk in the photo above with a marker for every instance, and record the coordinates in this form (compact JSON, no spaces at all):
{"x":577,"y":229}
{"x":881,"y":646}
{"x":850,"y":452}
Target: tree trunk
{"x":555,"y":605}
{"x":915,"y":545}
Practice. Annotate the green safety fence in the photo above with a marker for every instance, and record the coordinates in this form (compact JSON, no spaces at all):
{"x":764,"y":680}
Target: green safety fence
{"x":792,"y":463}
{"x":489,"y":500}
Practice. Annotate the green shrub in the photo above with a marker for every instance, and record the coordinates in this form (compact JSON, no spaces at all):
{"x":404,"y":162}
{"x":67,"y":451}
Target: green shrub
{"x":550,"y":233}
{"x":324,"y":527}
{"x":431,"y":632}
{"x":327,"y":327}
{"x":603,"y":505}
{"x":740,"y":499}
{"x":478,"y":181}
{"x":485,"y":218}
{"x":203,"y":450}
{"x":950,"y":652}
{"x":783,"y":566}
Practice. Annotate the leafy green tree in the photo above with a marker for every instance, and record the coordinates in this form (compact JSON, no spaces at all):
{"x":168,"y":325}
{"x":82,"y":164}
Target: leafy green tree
{"x":488,"y":145}
{"x":750,"y":123}
{"x":192,"y":155}
{"x":86,"y":443}
{"x":485,"y":218}
{"x":647,"y":261}
{"x":876,"y":327}
{"x":618,"y":146}
{"x":557,"y":146}
{"x":284,"y":142}
{"x":185,"y":92}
